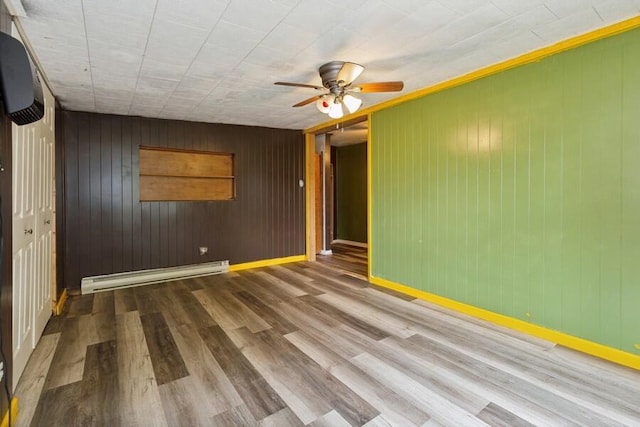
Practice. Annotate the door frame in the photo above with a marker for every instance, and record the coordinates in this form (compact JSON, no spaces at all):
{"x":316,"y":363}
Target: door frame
{"x":311,"y":165}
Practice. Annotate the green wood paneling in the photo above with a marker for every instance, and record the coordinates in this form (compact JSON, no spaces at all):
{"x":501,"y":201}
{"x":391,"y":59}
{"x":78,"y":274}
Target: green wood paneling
{"x":351,"y":192}
{"x":520,"y":192}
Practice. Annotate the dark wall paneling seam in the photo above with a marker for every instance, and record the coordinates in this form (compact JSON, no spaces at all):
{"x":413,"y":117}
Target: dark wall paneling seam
{"x":109,"y":230}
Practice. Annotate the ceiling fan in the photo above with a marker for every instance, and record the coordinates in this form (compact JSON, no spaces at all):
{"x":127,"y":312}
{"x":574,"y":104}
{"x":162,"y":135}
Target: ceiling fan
{"x":337,"y":77}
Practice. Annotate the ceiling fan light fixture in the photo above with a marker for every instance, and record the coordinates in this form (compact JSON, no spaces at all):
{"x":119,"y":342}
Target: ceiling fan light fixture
{"x":352,"y":103}
{"x":335,"y":111}
{"x":324,"y":104}
{"x":337,"y":84}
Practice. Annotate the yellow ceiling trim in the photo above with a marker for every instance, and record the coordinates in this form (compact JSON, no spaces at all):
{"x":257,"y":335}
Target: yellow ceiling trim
{"x":526,"y":58}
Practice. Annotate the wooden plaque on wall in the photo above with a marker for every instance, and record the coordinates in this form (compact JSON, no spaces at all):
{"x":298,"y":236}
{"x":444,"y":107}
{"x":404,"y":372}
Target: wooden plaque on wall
{"x":168,"y":174}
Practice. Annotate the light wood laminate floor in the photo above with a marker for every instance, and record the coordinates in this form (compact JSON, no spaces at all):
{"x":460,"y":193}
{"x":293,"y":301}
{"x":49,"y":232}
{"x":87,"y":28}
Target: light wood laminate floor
{"x":348,"y":258}
{"x":304,"y":344}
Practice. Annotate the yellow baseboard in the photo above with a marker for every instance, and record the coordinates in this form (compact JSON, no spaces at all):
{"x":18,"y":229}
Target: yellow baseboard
{"x":14,"y":414}
{"x":585,"y":346}
{"x":267,"y":262}
{"x":60,"y":305}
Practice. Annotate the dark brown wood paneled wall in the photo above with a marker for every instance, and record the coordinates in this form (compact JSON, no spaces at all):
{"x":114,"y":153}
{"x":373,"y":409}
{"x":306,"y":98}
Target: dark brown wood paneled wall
{"x":108,"y":230}
{"x":6,"y":305}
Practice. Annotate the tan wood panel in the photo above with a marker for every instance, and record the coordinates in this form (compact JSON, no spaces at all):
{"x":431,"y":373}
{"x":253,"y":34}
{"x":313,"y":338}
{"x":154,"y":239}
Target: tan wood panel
{"x":330,"y":419}
{"x":157,"y":188}
{"x":78,"y":333}
{"x":229,"y":312}
{"x":441,"y":409}
{"x":171,"y":162}
{"x":100,"y":364}
{"x":140,"y":402}
{"x":284,"y":417}
{"x":32,"y":381}
{"x":210,"y":381}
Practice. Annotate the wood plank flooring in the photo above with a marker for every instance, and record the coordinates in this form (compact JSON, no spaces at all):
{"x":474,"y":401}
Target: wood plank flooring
{"x":348,"y":258}
{"x":304,"y":344}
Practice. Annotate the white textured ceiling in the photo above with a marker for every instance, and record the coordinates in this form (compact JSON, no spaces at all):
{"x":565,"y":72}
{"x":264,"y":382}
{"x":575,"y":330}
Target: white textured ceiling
{"x":216,"y":60}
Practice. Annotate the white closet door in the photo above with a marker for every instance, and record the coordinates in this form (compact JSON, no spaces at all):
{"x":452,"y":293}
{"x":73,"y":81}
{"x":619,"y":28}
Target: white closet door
{"x":33,"y":180}
{"x":24,"y":246}
{"x":44,"y":219}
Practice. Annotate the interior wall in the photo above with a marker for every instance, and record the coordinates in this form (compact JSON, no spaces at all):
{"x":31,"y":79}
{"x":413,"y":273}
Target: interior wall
{"x":6,"y":275}
{"x":109,"y":230}
{"x":351,"y":192}
{"x":520,"y":192}
{"x":60,"y":206}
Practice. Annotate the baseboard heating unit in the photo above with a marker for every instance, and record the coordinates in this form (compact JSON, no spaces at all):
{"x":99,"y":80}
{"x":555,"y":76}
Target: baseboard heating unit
{"x":109,"y":282}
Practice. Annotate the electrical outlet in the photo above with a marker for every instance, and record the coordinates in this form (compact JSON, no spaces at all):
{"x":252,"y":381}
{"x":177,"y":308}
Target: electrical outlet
{"x":203,"y":250}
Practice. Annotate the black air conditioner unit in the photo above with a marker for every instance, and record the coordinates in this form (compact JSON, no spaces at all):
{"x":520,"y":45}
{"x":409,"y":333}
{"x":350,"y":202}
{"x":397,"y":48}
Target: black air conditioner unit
{"x":20,"y":87}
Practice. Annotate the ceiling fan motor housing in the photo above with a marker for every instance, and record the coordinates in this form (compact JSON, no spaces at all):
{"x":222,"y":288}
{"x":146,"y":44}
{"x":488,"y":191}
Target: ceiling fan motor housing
{"x":329,"y":74}
{"x":337,"y":77}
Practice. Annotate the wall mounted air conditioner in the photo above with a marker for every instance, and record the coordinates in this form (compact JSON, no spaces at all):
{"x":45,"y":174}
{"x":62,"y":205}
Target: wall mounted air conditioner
{"x":20,"y":87}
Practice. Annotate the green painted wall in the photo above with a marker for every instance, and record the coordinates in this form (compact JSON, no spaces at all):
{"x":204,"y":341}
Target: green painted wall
{"x":520,"y":192}
{"x":351,"y":192}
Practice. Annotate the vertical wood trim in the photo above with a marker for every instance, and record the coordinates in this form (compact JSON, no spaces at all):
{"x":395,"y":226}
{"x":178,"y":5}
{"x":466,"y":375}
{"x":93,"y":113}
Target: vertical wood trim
{"x":14,"y":414}
{"x":327,"y":179}
{"x":310,"y":199}
{"x":59,"y":306}
{"x":317,"y":191}
{"x":369,"y":202}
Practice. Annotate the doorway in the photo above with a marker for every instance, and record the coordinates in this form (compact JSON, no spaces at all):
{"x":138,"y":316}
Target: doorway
{"x":341,"y":199}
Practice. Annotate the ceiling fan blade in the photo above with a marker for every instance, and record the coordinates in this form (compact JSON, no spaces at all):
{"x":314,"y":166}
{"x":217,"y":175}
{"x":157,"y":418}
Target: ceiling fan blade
{"x":308,"y":101}
{"x":299,"y":85}
{"x":349,"y":72}
{"x":380,"y":87}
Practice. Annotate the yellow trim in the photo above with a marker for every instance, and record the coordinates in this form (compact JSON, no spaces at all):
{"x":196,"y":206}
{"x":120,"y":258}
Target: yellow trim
{"x":333,"y":125}
{"x":310,"y":185}
{"x":369,"y":203}
{"x":526,"y":58}
{"x":576,"y":343}
{"x":267,"y":262}
{"x":589,"y":347}
{"x":60,"y":305}
{"x":344,"y":122}
{"x":14,"y":414}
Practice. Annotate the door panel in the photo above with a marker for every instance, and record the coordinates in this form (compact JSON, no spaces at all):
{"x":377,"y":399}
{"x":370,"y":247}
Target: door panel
{"x":44,"y":221}
{"x":24,"y":145}
{"x":33,"y":148}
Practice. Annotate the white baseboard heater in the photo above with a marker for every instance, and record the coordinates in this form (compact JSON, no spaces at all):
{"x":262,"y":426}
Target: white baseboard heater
{"x":109,"y":282}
